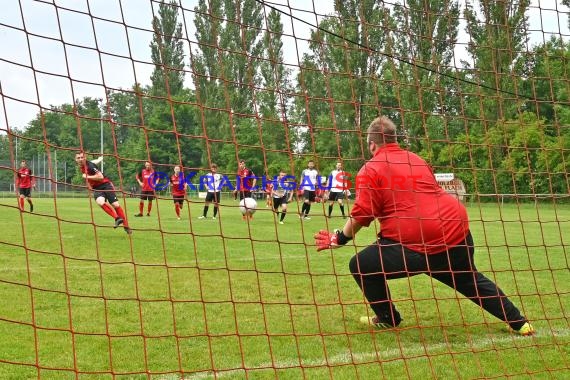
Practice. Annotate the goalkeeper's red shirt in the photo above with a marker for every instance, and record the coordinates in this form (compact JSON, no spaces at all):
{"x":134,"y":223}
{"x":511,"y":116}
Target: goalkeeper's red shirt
{"x":91,"y":169}
{"x":24,"y":179}
{"x":398,"y":188}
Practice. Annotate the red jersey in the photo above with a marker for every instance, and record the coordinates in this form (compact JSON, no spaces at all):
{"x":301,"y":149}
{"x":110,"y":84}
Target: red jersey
{"x":146,"y":177}
{"x":91,"y":169}
{"x":399,"y":188}
{"x":245,"y":184}
{"x":24,"y":178}
{"x":177,"y":182}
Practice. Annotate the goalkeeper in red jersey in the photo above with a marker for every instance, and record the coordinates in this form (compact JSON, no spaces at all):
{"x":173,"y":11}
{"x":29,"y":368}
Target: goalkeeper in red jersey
{"x":24,"y":183}
{"x":423,"y":230}
{"x":103,"y":191}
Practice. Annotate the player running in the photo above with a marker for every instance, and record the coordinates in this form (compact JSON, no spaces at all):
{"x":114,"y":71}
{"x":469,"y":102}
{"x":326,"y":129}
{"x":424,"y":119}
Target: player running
{"x":308,"y":184}
{"x":103,"y":191}
{"x":24,"y":183}
{"x":145,"y":179}
{"x":281,"y":196}
{"x":336,"y":189}
{"x":179,"y":185}
{"x":213,"y":180}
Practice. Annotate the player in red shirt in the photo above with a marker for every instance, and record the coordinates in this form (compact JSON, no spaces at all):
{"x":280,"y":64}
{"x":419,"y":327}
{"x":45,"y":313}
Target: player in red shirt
{"x":179,"y":185}
{"x":146,"y":179}
{"x":103,"y":191}
{"x":24,"y":183}
{"x":423,"y":230}
{"x":246,"y":181}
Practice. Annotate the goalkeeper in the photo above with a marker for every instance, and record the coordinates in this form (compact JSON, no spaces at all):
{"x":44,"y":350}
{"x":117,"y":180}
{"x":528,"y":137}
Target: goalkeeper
{"x":423,"y":230}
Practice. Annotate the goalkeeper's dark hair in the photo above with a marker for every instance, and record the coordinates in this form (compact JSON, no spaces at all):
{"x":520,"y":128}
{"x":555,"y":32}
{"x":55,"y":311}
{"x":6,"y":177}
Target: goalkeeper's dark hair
{"x":382,"y":131}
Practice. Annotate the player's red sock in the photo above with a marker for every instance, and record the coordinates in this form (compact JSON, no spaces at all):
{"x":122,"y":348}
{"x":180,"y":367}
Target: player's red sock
{"x":21,"y":203}
{"x":149,"y":207}
{"x":177,"y":208}
{"x":109,"y":210}
{"x":122,"y":215}
{"x":141,"y":207}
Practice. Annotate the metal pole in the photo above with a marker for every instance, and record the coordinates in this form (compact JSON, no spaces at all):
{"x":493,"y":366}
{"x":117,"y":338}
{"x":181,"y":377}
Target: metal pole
{"x":102,"y":110}
{"x":55,"y":159}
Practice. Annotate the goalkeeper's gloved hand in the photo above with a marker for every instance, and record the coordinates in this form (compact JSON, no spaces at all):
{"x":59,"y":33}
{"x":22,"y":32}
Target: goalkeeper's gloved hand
{"x":330,"y":240}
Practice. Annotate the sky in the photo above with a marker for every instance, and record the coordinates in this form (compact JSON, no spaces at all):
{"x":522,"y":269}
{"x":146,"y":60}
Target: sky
{"x":55,"y":51}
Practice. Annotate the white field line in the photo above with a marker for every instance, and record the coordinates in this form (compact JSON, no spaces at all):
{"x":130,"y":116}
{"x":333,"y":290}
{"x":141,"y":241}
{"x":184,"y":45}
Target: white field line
{"x":357,"y":357}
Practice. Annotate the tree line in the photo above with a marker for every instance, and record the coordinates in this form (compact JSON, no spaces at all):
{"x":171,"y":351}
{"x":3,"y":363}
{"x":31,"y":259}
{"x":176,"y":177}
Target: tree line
{"x":498,"y":120}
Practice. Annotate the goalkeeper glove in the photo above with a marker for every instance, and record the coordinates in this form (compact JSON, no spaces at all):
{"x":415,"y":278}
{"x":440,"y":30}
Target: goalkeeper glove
{"x":330,"y":240}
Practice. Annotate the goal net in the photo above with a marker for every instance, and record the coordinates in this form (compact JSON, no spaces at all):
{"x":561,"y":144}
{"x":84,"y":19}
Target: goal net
{"x":194,"y":289}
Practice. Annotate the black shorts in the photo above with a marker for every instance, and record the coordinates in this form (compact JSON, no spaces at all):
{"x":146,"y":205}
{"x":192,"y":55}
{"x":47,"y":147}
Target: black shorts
{"x":336,"y":195}
{"x":213,"y":196}
{"x":244,"y":194}
{"x":147,"y":195}
{"x":178,"y":199}
{"x":280,"y":201}
{"x":310,"y":195}
{"x":107,"y":191}
{"x":25,"y":191}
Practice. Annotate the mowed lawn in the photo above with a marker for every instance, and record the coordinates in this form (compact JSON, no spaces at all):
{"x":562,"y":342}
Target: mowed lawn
{"x":225,"y":298}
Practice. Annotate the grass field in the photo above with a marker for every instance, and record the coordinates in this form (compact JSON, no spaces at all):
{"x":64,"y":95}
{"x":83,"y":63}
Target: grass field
{"x":198,"y":299}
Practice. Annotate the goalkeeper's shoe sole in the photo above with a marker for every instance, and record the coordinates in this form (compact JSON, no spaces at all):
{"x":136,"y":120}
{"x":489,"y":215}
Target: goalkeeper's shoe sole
{"x":525,"y":330}
{"x":375,"y":322}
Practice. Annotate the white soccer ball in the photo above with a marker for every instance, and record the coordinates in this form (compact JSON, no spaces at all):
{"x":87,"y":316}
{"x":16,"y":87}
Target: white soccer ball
{"x":247,"y":205}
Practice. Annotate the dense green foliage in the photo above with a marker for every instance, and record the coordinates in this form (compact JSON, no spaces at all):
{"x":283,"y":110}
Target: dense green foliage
{"x":498,"y":119}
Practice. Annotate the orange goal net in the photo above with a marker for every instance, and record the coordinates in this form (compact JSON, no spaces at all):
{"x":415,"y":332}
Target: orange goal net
{"x":176,"y":279}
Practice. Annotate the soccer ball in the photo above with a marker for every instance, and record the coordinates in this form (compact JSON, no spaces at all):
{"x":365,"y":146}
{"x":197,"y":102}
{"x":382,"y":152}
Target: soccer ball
{"x":247,"y":205}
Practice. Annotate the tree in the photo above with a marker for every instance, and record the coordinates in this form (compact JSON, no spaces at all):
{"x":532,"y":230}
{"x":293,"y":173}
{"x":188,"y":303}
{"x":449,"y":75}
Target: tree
{"x":226,"y":72}
{"x":273,"y":97}
{"x":546,"y":81}
{"x":208,"y":16}
{"x":339,"y":85}
{"x":497,"y":36}
{"x":167,"y":51}
{"x":423,"y":49}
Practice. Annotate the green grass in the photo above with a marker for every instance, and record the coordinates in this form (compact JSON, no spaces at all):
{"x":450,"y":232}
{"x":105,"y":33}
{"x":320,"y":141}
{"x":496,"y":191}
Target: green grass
{"x":204,"y":298}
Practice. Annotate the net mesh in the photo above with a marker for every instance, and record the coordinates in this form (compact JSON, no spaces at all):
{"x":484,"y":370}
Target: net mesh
{"x":479,"y":89}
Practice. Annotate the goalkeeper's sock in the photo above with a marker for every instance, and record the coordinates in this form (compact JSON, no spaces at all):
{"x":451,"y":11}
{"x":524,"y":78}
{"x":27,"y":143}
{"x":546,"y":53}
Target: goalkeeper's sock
{"x":283,"y":212}
{"x":205,"y":212}
{"x":109,"y":210}
{"x":215,"y":211}
{"x":330,"y":210}
{"x":308,"y":209}
{"x":342,"y":209}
